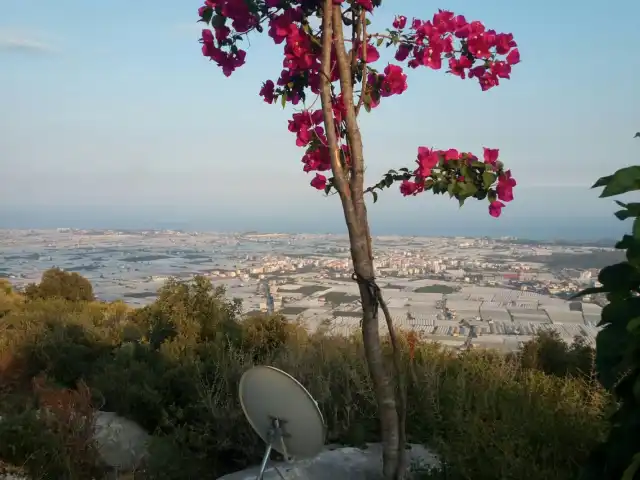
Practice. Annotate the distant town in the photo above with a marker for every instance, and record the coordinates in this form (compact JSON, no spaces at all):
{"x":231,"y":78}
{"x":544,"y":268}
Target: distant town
{"x":473,"y":292}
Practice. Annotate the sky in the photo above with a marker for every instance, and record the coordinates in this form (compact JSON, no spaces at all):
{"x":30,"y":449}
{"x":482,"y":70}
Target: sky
{"x":110,"y":116}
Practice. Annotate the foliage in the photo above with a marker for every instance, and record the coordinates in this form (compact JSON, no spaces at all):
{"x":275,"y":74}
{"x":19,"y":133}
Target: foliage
{"x":188,"y":310}
{"x":487,"y":415}
{"x":8,"y":298}
{"x":56,"y":283}
{"x":56,"y":441}
{"x":468,"y":48}
{"x":549,"y":354}
{"x":618,"y":343}
{"x":322,"y":60}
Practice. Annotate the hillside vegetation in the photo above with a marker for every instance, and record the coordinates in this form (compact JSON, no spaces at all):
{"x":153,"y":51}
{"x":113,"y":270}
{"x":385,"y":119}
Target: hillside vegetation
{"x":173,"y":367}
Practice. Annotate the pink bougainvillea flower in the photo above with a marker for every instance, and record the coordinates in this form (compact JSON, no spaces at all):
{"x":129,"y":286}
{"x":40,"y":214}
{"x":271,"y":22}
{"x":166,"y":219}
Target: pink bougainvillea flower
{"x":400,"y":22}
{"x":319,"y":182}
{"x":491,"y":155}
{"x":495,"y":208}
{"x":504,"y":189}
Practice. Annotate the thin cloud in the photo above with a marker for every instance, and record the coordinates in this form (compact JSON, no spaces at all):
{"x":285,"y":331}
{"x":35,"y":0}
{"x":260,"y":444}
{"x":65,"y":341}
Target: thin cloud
{"x":14,"y":41}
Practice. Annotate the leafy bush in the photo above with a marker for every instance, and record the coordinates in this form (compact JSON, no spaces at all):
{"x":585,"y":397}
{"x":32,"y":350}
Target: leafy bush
{"x":54,"y":442}
{"x":56,"y":283}
{"x":548,"y":353}
{"x":618,"y":343}
{"x":174,"y":367}
{"x":9,"y":300}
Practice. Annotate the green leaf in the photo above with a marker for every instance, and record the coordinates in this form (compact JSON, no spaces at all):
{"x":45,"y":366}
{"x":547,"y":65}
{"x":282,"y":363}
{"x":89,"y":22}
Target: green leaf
{"x":620,"y":312}
{"x":621,"y":276}
{"x":611,"y":342}
{"x":207,"y":15}
{"x":636,"y":228}
{"x":588,"y":291}
{"x":451,"y":189}
{"x":633,"y":250}
{"x":623,"y":181}
{"x":366,"y":100}
{"x":633,"y":468}
{"x":626,"y":242}
{"x":375,"y":196}
{"x":633,"y":325}
{"x":379,"y":42}
{"x":218,"y":20}
{"x":630,"y":210}
{"x":487,"y":179}
{"x":468,"y":189}
{"x":602,"y":181}
{"x":623,"y":214}
{"x":283,"y":99}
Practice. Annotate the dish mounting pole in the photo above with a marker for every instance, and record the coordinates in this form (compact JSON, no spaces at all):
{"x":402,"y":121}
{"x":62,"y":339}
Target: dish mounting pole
{"x":276,"y":434}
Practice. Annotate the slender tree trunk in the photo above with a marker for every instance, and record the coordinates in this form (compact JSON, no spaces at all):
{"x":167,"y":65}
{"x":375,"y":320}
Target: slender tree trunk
{"x":349,"y":184}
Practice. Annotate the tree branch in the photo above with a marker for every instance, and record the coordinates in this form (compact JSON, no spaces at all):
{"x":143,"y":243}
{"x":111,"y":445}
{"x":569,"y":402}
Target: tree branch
{"x":340,"y":178}
{"x":363,"y":90}
{"x":346,"y":87}
{"x":354,"y":139}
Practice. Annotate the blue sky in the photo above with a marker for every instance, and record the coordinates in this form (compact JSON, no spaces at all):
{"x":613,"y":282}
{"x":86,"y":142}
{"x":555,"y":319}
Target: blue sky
{"x":109,"y":107}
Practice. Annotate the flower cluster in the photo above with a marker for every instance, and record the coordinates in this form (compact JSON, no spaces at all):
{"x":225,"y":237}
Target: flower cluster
{"x":477,"y":55}
{"x":469,"y":48}
{"x":464,"y":176}
{"x":309,"y":133}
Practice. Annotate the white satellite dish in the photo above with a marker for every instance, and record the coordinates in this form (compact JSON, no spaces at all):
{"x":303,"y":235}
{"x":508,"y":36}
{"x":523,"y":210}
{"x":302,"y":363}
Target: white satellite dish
{"x":283,"y":414}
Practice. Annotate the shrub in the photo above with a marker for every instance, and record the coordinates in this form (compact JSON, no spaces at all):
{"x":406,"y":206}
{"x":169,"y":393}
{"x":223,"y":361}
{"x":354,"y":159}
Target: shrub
{"x":9,"y":300}
{"x":54,"y":442}
{"x":548,"y":353}
{"x":56,"y":283}
{"x":489,"y":416}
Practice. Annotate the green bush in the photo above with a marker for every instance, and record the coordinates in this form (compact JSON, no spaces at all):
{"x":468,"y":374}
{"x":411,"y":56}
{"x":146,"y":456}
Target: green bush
{"x":174,"y":367}
{"x":548,"y":353}
{"x":56,"y":283}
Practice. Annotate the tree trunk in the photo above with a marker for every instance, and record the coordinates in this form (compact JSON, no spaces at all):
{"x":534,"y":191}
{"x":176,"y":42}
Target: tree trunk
{"x":349,"y":185}
{"x":383,"y":388}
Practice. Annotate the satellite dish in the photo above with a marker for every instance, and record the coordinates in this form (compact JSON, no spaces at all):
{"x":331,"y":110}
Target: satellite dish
{"x":283,"y":414}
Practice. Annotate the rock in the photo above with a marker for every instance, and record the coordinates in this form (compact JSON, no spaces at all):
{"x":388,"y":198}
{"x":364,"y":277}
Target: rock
{"x":121,"y":443}
{"x":346,"y":463}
